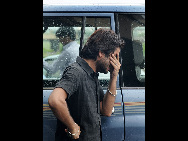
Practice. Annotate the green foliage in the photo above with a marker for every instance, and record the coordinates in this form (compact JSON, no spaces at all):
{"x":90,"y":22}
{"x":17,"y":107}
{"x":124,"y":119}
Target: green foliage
{"x":47,"y":50}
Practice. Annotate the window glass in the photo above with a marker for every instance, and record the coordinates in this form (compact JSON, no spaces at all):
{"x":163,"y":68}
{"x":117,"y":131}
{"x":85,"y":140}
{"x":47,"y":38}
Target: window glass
{"x":92,"y":24}
{"x":132,"y":30}
{"x":61,"y":42}
{"x":139,"y":37}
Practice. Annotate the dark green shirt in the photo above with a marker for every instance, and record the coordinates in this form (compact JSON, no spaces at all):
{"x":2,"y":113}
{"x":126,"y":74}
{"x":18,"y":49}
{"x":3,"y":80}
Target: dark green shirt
{"x":84,"y":96}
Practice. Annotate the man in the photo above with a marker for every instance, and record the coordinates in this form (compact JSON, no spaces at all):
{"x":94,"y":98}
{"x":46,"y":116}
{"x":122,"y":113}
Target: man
{"x":67,"y":36}
{"x":78,"y":100}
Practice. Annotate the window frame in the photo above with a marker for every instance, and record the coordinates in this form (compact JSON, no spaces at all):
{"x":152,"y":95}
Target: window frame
{"x":111,"y":15}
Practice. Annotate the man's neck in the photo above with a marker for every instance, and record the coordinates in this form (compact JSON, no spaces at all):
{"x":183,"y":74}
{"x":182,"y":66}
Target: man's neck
{"x":91,"y":63}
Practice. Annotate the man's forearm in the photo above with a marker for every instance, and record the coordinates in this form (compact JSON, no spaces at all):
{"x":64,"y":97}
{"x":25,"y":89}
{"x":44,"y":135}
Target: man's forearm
{"x":61,"y":111}
{"x":110,"y":96}
{"x":58,"y":104}
{"x":108,"y":100}
{"x":59,"y":107}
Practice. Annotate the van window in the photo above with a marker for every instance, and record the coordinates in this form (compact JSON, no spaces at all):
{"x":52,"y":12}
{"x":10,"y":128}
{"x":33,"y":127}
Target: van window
{"x":138,"y":36}
{"x":132,"y":30}
{"x":61,"y":42}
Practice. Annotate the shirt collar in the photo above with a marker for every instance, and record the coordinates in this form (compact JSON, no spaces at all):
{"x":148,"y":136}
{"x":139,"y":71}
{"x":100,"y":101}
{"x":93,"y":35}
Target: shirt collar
{"x":69,"y":44}
{"x":86,"y":67}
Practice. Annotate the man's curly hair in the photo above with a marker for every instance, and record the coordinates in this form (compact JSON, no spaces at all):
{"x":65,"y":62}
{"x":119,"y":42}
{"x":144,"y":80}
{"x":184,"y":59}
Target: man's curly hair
{"x":104,"y":40}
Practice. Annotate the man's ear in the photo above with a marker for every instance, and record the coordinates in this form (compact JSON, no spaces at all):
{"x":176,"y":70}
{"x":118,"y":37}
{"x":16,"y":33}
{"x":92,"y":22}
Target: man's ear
{"x":100,"y":54}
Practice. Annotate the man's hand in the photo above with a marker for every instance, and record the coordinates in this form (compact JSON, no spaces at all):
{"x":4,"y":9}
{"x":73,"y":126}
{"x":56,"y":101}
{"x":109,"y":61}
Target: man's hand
{"x":115,"y":65}
{"x":74,"y":132}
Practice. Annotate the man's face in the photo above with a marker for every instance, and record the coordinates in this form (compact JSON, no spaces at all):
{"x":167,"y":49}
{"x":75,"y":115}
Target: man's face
{"x":64,"y":40}
{"x":103,"y":64}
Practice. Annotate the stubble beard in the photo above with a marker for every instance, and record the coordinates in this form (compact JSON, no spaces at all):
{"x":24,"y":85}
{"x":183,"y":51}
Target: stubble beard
{"x":102,"y":66}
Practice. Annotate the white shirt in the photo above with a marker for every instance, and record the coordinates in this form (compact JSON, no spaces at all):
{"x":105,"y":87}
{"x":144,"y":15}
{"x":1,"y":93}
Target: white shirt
{"x":67,"y":57}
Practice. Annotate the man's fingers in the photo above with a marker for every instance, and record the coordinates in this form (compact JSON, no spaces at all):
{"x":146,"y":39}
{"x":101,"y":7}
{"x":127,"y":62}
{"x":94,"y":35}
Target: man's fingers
{"x":116,"y":57}
{"x":116,"y":66}
{"x":115,"y":61}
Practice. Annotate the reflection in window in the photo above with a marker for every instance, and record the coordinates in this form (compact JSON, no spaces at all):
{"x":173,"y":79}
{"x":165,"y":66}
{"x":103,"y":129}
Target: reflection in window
{"x":139,"y":52}
{"x":132,"y":30}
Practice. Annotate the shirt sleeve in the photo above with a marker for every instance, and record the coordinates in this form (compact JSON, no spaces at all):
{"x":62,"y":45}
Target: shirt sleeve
{"x":69,"y":81}
{"x":60,"y":63}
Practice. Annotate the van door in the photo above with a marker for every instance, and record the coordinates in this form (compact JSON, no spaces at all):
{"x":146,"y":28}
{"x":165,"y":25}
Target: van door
{"x":131,"y":28}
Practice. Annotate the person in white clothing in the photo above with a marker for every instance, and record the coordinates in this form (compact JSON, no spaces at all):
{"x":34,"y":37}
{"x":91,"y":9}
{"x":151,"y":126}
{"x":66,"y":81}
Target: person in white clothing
{"x":66,"y":36}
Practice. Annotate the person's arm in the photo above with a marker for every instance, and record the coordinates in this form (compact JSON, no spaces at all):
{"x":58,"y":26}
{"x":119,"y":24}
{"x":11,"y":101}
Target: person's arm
{"x":59,"y":64}
{"x":107,"y":104}
{"x":59,"y":107}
